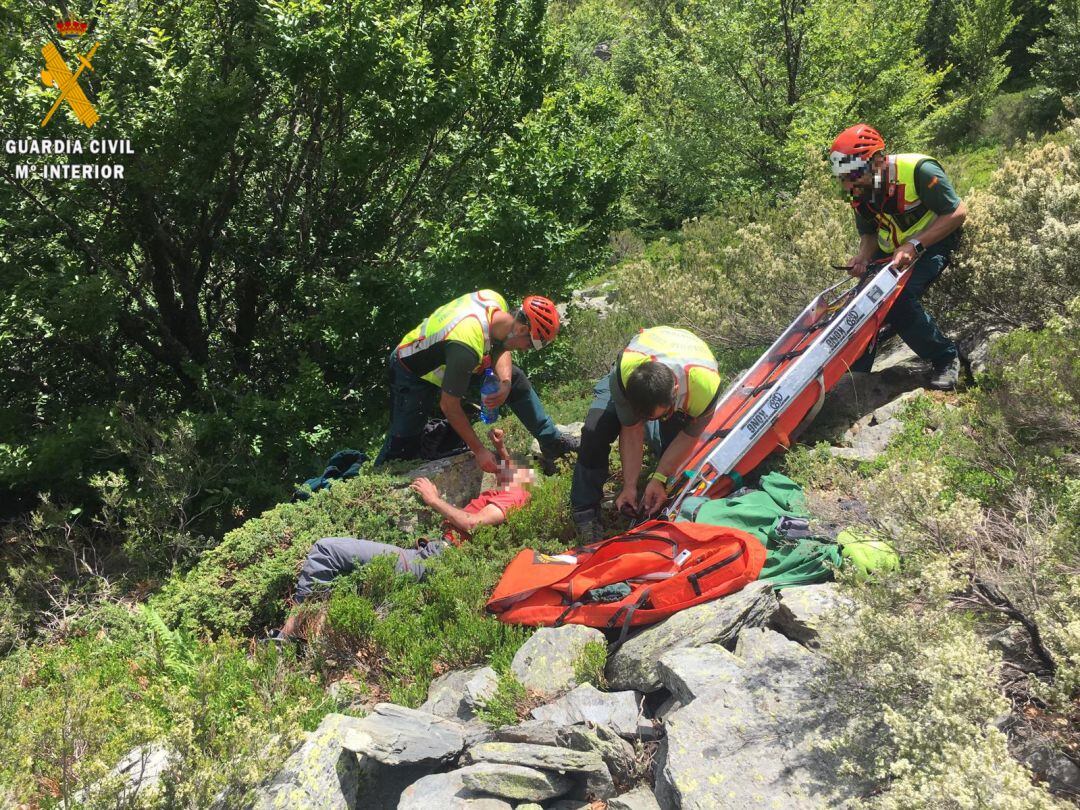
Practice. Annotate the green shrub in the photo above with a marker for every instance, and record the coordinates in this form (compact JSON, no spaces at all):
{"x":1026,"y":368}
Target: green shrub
{"x":920,"y":699}
{"x":507,"y":706}
{"x":70,"y":711}
{"x":1020,"y":260}
{"x":241,"y":584}
{"x":590,"y":665}
{"x":351,"y":614}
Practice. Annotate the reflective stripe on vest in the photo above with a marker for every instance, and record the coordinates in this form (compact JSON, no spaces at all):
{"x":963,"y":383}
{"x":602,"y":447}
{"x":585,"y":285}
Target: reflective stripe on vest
{"x":688,"y":358}
{"x":466,"y":319}
{"x":902,"y":203}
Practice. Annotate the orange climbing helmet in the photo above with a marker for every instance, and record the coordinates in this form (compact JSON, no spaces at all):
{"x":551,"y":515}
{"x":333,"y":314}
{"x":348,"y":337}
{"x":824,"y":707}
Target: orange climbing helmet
{"x":543,"y":319}
{"x":853,"y":149}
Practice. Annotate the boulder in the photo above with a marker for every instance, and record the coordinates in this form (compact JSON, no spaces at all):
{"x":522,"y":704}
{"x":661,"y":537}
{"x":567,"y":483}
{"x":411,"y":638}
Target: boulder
{"x":545,"y":757}
{"x":547,"y":662}
{"x":573,"y":429}
{"x":1016,"y":649}
{"x":515,"y":781}
{"x":870,"y":435}
{"x":641,"y":798}
{"x":536,"y":732}
{"x":447,"y":791}
{"x":455,"y":695}
{"x":139,"y":771}
{"x":636,"y":664}
{"x":458,"y":478}
{"x":616,"y":752}
{"x":1061,"y":774}
{"x":896,"y":370}
{"x":687,"y":672}
{"x":588,"y":764}
{"x":319,"y":773}
{"x":810,"y":613}
{"x":752,"y":741}
{"x":976,"y":346}
{"x":394,"y":735}
{"x":587,"y":704}
{"x":598,"y":299}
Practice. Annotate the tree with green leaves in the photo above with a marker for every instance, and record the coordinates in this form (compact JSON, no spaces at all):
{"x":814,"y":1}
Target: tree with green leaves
{"x":308,"y":179}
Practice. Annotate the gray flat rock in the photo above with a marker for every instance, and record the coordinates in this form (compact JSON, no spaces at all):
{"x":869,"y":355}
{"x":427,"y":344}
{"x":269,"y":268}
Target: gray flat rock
{"x":857,"y":394}
{"x":753,"y":742}
{"x":455,"y":695}
{"x":641,"y":798}
{"x":687,"y":672}
{"x":587,"y":704}
{"x":139,"y":773}
{"x":546,"y":662}
{"x":616,"y":752}
{"x":457,"y":477}
{"x":447,"y":791}
{"x":394,"y":735}
{"x":319,"y":773}
{"x":545,"y":757}
{"x":636,"y":664}
{"x":810,"y":613}
{"x":598,"y":782}
{"x":536,"y":732}
{"x":515,"y":781}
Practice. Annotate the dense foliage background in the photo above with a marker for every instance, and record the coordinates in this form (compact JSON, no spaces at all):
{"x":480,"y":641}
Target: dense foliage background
{"x":311,"y":179}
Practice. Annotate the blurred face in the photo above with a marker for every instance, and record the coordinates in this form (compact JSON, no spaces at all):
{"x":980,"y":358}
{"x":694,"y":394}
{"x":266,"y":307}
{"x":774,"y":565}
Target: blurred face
{"x":513,"y":477}
{"x":859,"y":182}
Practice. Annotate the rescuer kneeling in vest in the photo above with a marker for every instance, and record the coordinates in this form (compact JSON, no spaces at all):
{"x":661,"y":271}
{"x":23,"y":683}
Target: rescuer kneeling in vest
{"x":906,"y":208}
{"x":662,"y":389}
{"x":449,"y":351}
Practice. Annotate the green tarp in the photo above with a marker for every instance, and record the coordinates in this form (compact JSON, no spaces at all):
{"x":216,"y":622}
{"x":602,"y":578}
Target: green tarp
{"x":788,"y":562}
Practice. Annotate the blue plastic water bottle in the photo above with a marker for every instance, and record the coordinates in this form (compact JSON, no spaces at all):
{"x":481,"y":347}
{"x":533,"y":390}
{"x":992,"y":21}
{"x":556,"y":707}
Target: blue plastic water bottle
{"x":490,"y":385}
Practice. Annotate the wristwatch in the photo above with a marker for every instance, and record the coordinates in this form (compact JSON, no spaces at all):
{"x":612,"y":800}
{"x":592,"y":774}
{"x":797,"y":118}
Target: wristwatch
{"x":919,"y":249}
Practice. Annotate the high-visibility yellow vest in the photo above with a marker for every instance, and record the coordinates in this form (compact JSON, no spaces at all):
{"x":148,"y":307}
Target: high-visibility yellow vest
{"x":689,"y":359}
{"x":466,"y":319}
{"x":903,"y":214}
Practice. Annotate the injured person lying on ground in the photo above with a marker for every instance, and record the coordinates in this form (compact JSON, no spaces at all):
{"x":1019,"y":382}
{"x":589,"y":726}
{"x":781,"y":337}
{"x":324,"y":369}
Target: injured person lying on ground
{"x":332,"y":557}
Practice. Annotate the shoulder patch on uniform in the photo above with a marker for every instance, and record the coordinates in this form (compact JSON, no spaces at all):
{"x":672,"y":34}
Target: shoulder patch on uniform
{"x":933,"y":182}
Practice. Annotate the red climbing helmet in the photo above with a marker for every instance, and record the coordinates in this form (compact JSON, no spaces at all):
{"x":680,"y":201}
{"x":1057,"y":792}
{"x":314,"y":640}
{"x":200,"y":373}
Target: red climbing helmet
{"x":543,"y":319}
{"x":853,"y":148}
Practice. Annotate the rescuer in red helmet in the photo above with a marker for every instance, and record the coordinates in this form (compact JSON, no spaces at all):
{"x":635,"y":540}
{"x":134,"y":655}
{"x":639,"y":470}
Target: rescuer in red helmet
{"x":449,"y":351}
{"x":906,"y":208}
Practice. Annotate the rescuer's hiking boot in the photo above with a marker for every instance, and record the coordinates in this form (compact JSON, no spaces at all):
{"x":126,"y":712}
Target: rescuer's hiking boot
{"x":945,"y":376}
{"x":551,"y":451}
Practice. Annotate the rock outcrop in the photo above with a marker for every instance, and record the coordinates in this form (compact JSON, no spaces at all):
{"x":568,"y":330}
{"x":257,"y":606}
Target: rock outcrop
{"x":319,"y":773}
{"x":749,"y":739}
{"x":547,"y":664}
{"x":636,"y":664}
{"x":587,"y":704}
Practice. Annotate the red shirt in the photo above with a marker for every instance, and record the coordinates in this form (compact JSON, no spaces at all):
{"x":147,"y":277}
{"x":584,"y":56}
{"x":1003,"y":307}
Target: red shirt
{"x":506,"y":500}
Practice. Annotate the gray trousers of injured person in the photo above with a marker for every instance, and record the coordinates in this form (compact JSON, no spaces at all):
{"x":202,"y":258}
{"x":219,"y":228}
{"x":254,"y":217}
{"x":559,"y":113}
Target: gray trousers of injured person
{"x":332,"y":557}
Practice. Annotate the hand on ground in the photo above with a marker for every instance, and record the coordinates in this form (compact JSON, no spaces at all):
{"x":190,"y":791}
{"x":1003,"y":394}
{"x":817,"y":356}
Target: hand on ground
{"x":427,"y":491}
{"x":627,"y":499}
